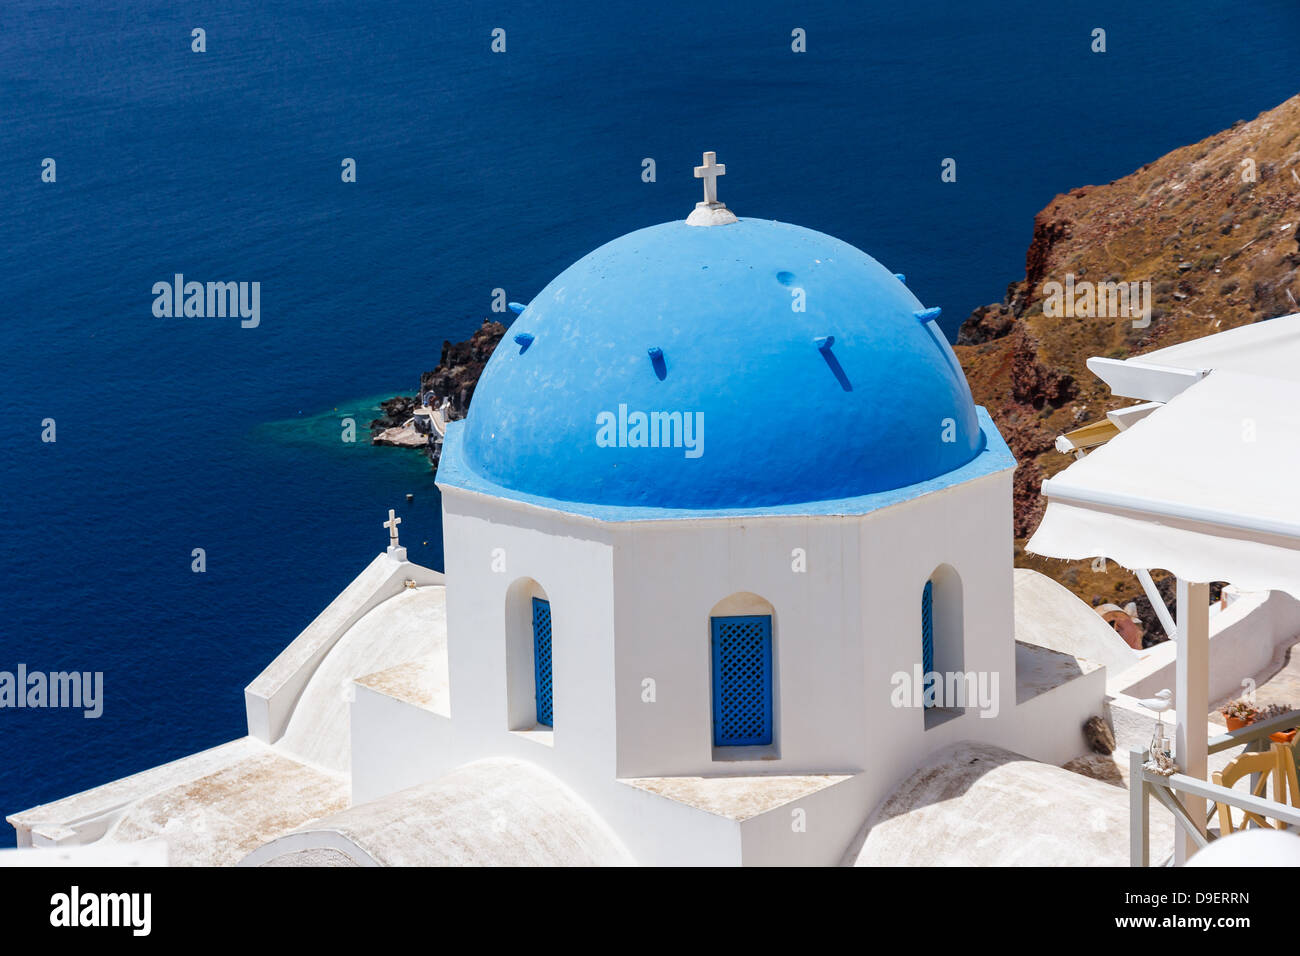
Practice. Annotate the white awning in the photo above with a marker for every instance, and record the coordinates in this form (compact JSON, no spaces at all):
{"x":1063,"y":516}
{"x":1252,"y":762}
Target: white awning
{"x":1207,"y":487}
{"x":1268,"y":349}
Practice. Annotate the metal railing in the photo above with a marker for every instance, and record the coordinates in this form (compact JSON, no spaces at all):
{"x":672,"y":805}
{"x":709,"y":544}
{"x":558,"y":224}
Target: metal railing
{"x":1145,"y":785}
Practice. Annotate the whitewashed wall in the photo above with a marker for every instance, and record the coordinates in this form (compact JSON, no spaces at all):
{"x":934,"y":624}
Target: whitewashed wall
{"x":631,"y":602}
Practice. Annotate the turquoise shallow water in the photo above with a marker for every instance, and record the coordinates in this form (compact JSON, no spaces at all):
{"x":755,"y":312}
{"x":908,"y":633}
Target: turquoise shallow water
{"x":394,"y":472}
{"x":475,"y":172}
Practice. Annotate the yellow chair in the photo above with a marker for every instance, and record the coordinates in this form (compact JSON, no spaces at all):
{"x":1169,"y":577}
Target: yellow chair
{"x":1276,"y":764}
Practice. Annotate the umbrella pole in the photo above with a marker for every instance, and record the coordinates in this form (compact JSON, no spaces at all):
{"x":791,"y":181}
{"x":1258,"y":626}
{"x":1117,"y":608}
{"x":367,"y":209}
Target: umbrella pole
{"x":1192,"y":695}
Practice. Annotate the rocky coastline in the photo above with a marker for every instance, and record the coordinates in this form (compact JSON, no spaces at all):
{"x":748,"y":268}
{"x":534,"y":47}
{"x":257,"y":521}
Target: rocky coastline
{"x":449,"y":386}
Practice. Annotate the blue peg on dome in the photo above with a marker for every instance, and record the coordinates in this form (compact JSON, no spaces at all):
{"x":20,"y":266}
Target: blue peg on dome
{"x":657,"y":360}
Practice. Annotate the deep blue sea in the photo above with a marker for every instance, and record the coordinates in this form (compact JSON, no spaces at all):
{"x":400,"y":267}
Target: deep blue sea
{"x":475,"y":171}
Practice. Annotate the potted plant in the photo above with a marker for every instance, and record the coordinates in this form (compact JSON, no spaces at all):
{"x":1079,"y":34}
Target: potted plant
{"x":1285,"y":736}
{"x":1239,"y":713}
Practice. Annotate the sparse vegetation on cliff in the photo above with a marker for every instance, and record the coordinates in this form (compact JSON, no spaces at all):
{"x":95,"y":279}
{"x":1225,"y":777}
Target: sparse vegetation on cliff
{"x":1211,"y":226}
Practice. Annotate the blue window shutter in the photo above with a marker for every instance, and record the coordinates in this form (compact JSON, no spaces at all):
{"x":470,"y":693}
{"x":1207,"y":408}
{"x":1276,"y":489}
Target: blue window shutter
{"x":742,"y":681}
{"x":542,"y":660}
{"x":927,"y":635}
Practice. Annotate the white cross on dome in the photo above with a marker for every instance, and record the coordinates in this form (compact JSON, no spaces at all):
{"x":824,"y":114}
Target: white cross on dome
{"x":710,"y":212}
{"x":710,"y":172}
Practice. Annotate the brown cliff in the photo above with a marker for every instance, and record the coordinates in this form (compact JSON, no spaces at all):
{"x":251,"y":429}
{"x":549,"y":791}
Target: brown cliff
{"x":1216,"y":238}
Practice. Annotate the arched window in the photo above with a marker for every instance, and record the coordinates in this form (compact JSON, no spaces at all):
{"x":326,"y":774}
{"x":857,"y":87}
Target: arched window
{"x":927,"y":642}
{"x":945,"y":694}
{"x":542,"y":662}
{"x":529,"y":685}
{"x":742,"y":672}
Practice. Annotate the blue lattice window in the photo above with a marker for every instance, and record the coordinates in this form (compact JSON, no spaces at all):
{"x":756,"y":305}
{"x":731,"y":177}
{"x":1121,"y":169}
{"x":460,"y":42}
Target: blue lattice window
{"x":927,"y":639}
{"x":742,"y":681}
{"x":542,"y":660}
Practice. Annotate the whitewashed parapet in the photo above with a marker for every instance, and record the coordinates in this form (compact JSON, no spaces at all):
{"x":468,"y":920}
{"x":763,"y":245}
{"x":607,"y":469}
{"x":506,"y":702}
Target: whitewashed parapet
{"x":86,"y":816}
{"x":269,"y":700}
{"x":1249,"y":638}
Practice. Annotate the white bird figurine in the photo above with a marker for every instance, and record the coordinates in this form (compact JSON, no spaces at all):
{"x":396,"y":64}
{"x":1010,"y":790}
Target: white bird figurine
{"x":1161,"y":761}
{"x":1159,"y":703}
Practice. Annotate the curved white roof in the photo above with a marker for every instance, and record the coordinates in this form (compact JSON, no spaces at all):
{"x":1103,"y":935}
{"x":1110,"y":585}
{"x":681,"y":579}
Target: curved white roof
{"x":411,"y":625}
{"x":976,"y":805}
{"x":496,"y":812}
{"x":1049,"y":615}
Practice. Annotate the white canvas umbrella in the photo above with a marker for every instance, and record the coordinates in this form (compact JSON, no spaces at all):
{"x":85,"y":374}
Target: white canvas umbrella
{"x":1207,"y":487}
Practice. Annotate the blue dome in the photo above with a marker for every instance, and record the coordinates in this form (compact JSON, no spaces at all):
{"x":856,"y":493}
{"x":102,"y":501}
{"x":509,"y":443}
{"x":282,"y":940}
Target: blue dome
{"x":674,"y":368}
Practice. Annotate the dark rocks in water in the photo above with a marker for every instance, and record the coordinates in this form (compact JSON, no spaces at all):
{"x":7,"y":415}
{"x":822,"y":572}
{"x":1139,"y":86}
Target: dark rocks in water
{"x":454,"y":380}
{"x":459,"y":368}
{"x":396,"y":411}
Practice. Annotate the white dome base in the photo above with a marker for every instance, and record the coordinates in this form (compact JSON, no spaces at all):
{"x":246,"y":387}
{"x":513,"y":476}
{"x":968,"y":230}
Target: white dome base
{"x":710,"y":214}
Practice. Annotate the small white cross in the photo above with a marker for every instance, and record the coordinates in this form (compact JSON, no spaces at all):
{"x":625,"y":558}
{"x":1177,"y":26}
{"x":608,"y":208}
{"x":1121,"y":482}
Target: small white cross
{"x":391,"y":524}
{"x":710,"y":172}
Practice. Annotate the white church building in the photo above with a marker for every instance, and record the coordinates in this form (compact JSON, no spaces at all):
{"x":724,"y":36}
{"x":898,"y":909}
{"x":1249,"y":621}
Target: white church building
{"x":721,"y":503}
